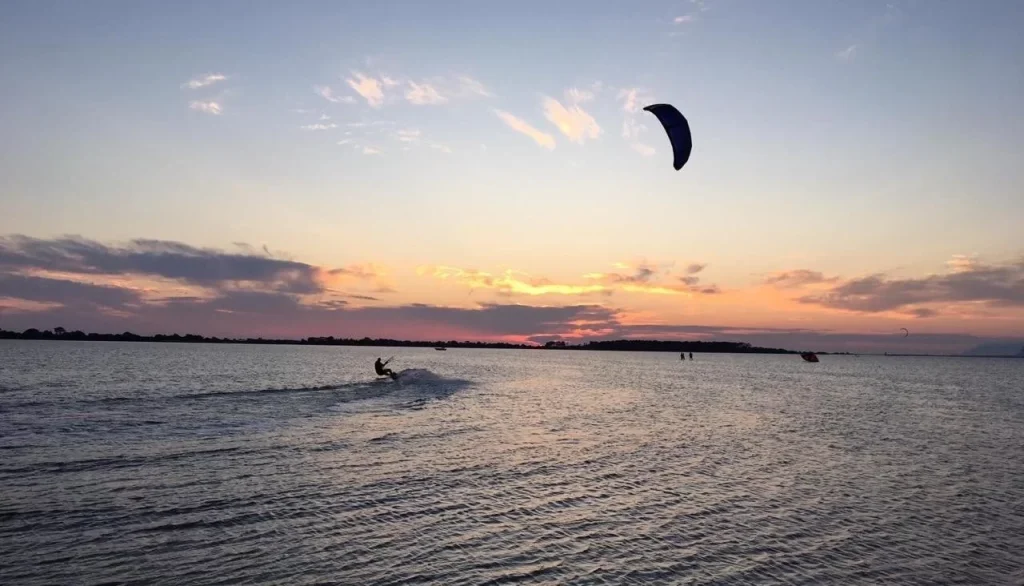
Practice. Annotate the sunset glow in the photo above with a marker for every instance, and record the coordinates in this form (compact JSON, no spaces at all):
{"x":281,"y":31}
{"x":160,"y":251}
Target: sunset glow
{"x":447,"y":171}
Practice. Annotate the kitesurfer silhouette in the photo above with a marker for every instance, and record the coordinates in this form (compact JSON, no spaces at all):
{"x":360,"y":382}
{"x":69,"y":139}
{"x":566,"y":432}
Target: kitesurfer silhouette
{"x":381,"y":371}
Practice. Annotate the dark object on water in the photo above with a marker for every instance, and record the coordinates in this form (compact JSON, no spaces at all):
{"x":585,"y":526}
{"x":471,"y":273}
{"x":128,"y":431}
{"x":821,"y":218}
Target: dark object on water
{"x":809,"y":356}
{"x":678,"y":130}
{"x":440,"y":348}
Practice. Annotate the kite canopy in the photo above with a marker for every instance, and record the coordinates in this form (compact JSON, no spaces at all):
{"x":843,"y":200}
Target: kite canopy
{"x":906,"y":332}
{"x":678,"y":130}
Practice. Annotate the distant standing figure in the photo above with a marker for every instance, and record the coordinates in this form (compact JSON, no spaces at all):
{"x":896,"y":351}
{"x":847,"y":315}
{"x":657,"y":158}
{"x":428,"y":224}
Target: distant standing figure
{"x":682,"y":355}
{"x":691,"y":355}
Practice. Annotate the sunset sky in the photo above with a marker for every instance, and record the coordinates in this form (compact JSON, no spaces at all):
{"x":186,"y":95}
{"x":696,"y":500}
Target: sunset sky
{"x":484,"y":170}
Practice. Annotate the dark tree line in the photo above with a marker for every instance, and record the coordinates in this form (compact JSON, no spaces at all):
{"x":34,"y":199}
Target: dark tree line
{"x":680,"y":346}
{"x":619,"y":345}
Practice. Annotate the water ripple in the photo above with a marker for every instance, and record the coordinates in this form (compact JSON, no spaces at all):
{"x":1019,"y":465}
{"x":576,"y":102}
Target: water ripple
{"x":290,"y":465}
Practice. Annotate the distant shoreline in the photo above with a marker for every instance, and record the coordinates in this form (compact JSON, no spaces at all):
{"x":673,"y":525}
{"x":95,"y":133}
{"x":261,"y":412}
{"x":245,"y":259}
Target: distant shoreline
{"x":891,"y":355}
{"x":611,"y":345}
{"x":595,"y":346}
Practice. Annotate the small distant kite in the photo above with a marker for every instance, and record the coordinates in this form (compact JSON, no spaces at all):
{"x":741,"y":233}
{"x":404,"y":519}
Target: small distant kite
{"x":906,"y":332}
{"x":678,"y":130}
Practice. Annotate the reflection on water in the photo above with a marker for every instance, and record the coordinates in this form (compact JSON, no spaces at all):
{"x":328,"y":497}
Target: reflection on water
{"x":267,"y":464}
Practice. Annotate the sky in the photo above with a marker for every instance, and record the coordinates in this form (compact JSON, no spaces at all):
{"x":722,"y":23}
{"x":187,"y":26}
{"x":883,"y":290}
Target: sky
{"x":485,"y":171}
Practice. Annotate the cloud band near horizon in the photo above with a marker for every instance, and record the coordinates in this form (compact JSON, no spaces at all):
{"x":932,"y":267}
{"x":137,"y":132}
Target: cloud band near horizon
{"x":154,"y":286}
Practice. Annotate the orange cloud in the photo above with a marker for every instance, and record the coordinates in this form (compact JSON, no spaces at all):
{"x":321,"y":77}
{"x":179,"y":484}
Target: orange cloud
{"x":16,"y":305}
{"x":519,"y":125}
{"x":573,"y":121}
{"x":643,"y":279}
{"x":368,"y":87}
{"x":509,"y":283}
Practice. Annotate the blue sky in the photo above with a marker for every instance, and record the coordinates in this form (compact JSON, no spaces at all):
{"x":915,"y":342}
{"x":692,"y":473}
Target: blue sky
{"x":849,"y":138}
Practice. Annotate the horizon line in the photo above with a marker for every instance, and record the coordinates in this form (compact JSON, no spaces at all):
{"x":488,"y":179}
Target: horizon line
{"x":128,"y":336}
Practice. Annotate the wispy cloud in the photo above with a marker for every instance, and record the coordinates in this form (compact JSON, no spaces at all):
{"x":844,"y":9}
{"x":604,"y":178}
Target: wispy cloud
{"x":408,"y":135}
{"x":319,"y":126}
{"x":847,"y":54}
{"x":797,"y":278}
{"x":962,"y":263}
{"x":359,"y":271}
{"x":369,"y":123}
{"x":633,"y":100}
{"x":203,"y":81}
{"x":631,"y":129}
{"x":370,"y":137}
{"x":423,"y":94}
{"x":446,"y":88}
{"x":413,"y":136}
{"x":646,"y":278}
{"x":519,"y":125}
{"x":328,"y":94}
{"x":206,"y":106}
{"x":469,"y":87}
{"x":683,"y":19}
{"x":574,"y":122}
{"x":367,"y":87}
{"x":872,"y":31}
{"x":378,"y":89}
{"x":694,"y":268}
{"x":578,"y":96}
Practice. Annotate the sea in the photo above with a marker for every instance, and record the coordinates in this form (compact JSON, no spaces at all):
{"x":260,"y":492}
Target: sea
{"x":143,"y":463}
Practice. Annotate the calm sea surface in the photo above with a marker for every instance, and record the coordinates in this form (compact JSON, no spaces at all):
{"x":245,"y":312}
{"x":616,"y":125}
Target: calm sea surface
{"x":172,"y":464}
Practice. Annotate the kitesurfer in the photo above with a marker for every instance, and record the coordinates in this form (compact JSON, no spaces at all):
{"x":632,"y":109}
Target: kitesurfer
{"x":381,"y":371}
